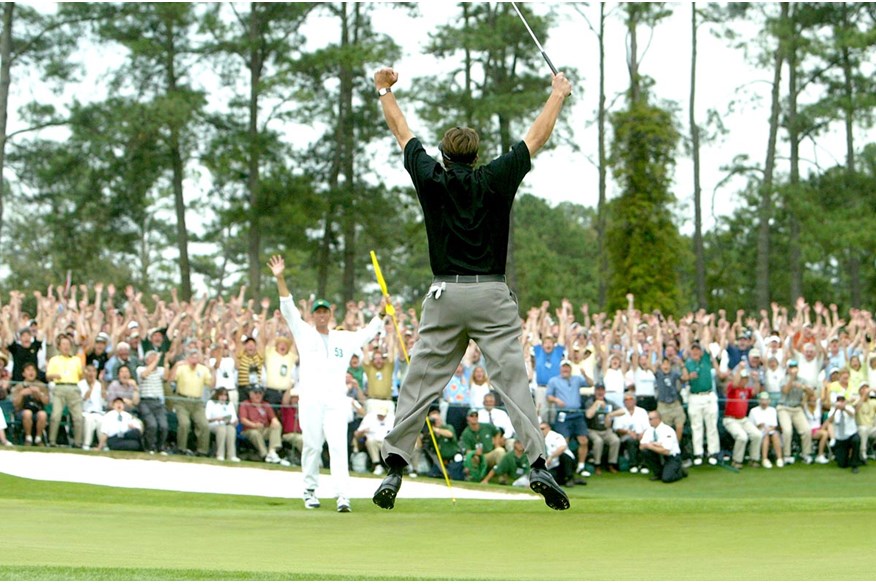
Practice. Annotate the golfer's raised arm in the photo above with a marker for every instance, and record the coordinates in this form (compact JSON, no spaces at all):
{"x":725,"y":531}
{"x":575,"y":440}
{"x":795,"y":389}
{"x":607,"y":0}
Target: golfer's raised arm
{"x":395,"y":119}
{"x":541,"y":129}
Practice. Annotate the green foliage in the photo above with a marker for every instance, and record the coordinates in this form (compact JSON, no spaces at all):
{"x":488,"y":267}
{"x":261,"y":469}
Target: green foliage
{"x":642,"y":239}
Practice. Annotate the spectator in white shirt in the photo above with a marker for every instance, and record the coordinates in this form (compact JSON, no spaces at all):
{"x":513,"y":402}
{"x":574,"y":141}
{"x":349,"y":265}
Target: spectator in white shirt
{"x":93,"y":404}
{"x":374,"y":427}
{"x":660,"y":450}
{"x":765,"y":417}
{"x":222,"y":419}
{"x":490,"y":414}
{"x":630,"y":423}
{"x":559,"y":460}
{"x":119,"y":430}
{"x":847,"y":449}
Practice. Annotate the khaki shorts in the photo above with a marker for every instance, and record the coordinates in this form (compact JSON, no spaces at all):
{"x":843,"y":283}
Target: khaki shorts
{"x":672,"y":414}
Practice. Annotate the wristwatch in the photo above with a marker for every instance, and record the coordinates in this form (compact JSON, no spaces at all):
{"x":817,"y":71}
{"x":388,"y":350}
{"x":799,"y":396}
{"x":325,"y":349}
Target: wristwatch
{"x":383,"y":91}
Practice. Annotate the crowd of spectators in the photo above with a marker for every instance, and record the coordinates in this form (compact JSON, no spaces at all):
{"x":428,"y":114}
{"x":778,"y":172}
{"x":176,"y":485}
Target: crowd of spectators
{"x":629,"y":391}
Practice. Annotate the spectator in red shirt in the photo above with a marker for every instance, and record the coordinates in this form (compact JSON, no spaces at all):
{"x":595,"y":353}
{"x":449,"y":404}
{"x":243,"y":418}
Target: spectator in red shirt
{"x":259,"y":422}
{"x":736,"y":420}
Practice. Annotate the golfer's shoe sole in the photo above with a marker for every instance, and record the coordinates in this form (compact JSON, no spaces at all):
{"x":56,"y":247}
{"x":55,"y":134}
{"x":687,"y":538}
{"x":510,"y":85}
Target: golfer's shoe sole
{"x":385,"y":498}
{"x":554,"y":497}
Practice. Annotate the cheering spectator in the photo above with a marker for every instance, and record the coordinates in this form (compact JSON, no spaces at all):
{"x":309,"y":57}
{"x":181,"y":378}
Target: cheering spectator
{"x":93,"y":408}
{"x":118,"y":429}
{"x":564,"y":394}
{"x":65,"y":370}
{"x":250,"y":360}
{"x":848,"y":443}
{"x":280,"y":363}
{"x":151,"y":406}
{"x":765,"y":418}
{"x":192,"y":379}
{"x":479,"y":386}
{"x":791,"y":416}
{"x":737,"y":423}
{"x":703,"y":402}
{"x":30,"y":398}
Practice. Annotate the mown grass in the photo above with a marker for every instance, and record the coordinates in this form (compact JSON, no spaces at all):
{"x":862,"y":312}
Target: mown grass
{"x":796,"y":523}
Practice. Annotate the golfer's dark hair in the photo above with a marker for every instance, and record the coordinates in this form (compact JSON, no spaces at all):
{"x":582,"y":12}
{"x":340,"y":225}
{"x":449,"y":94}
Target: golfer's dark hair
{"x":460,"y":145}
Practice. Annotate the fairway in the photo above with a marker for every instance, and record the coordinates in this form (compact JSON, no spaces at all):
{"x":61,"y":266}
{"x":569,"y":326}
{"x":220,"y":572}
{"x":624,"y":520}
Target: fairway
{"x":792,"y":524}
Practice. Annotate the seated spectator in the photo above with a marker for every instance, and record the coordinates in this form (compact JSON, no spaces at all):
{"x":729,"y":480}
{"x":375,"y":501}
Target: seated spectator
{"x":125,"y":387}
{"x":791,"y":416}
{"x":119,"y":430}
{"x":5,"y":376}
{"x":259,"y":422}
{"x":765,"y":418}
{"x":512,"y":469}
{"x":475,"y":465}
{"x":865,"y":408}
{"x":629,"y":423}
{"x":192,"y":378}
{"x":737,"y":423}
{"x":291,"y":426}
{"x":660,"y":451}
{"x":490,"y":414}
{"x":93,"y":404}
{"x":558,"y":458}
{"x":480,"y":436}
{"x":223,"y":424}
{"x":812,"y":411}
{"x":564,"y":394}
{"x":151,"y":406}
{"x":448,"y":447}
{"x":600,"y":433}
{"x":30,"y":398}
{"x":374,"y":428}
{"x":847,"y":449}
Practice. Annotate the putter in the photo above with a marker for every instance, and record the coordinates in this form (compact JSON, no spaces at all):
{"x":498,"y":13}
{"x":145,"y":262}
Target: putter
{"x":532,"y":34}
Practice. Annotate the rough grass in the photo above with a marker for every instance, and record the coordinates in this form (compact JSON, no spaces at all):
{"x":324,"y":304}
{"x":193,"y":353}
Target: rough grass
{"x":796,"y":523}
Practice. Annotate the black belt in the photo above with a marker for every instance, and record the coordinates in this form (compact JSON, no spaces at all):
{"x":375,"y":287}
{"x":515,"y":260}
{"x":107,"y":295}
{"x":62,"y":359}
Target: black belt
{"x":470,"y":278}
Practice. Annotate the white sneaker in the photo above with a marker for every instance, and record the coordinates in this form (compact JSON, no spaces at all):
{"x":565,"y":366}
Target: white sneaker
{"x":272,"y":457}
{"x":780,"y":463}
{"x":788,"y":460}
{"x":284,"y":462}
{"x":807,"y":459}
{"x":713,"y":461}
{"x":584,"y":473}
{"x":220,"y":457}
{"x":234,"y":459}
{"x":767,"y":463}
{"x":344,"y":505}
{"x":86,"y":447}
{"x":634,"y":469}
{"x":832,"y":442}
{"x":310,"y":500}
{"x":28,"y":440}
{"x":378,"y":470}
{"x":644,"y":470}
{"x":821,"y":459}
{"x":698,"y":461}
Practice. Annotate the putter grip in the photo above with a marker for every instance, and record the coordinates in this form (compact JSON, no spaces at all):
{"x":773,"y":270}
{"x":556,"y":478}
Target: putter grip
{"x":548,"y":59}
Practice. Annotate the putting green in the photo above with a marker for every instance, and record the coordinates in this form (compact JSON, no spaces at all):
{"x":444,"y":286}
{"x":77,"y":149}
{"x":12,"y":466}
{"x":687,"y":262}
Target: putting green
{"x":797,"y":523}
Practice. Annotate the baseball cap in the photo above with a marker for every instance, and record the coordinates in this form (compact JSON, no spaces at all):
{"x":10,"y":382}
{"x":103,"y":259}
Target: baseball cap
{"x":743,"y":372}
{"x":565,"y":362}
{"x":840,"y":397}
{"x":599,"y":385}
{"x":320,"y":303}
{"x":382,"y":411}
{"x":102,"y":338}
{"x":753,"y":353}
{"x":863,"y":384}
{"x":792,"y":363}
{"x":772,"y":339}
{"x":763,"y":395}
{"x":472,"y":412}
{"x":133,"y":324}
{"x":257,"y":389}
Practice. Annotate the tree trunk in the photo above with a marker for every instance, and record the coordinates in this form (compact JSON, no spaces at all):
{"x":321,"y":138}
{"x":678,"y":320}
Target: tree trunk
{"x":794,"y":252}
{"x":699,"y":251}
{"x":5,"y":81}
{"x":855,"y":278}
{"x":633,"y":60}
{"x":602,"y":257}
{"x":176,"y":161}
{"x":848,"y":90}
{"x":347,"y":156}
{"x":256,"y":63}
{"x":765,"y":206}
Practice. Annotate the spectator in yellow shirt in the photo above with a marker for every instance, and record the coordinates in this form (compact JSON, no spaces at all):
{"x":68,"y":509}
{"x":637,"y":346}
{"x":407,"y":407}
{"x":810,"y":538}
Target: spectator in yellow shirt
{"x":192,"y":378}
{"x":65,"y":370}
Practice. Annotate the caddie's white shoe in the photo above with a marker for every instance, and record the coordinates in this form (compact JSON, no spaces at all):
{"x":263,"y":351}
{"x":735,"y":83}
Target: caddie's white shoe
{"x":310,"y":500}
{"x":344,"y":505}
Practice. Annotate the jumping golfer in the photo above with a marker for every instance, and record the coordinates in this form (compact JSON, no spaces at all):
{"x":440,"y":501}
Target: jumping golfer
{"x":467,"y":213}
{"x":323,"y":404}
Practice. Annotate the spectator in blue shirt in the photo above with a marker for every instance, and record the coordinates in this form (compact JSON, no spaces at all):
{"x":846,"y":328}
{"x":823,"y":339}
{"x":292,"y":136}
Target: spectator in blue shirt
{"x":564,"y":392}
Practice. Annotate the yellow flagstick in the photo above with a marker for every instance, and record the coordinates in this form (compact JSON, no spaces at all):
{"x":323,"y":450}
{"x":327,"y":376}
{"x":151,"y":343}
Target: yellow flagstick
{"x":390,"y":310}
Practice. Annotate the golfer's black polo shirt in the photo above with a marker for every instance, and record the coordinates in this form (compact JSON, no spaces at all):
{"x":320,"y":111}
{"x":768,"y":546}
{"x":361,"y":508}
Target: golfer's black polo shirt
{"x":467,"y":210}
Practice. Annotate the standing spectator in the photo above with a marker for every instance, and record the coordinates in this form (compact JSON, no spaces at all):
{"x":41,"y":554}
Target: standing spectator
{"x":547,"y":357}
{"x":23,"y":351}
{"x":564,"y":394}
{"x":224,"y":369}
{"x":847,"y":449}
{"x":65,"y":370}
{"x":479,"y":386}
{"x":119,"y":430}
{"x":157,"y":341}
{"x":865,"y":408}
{"x":259,"y":422}
{"x":30,"y":398}
{"x":374,"y":428}
{"x":600,"y":433}
{"x":667,"y":385}
{"x":192,"y":378}
{"x":764,"y":416}
{"x":630,"y":423}
{"x":791,"y":416}
{"x":810,"y":362}
{"x":774,"y":378}
{"x":456,"y":398}
{"x":93,"y":404}
{"x":96,"y":353}
{"x":151,"y":407}
{"x":250,"y":360}
{"x":642,"y":377}
{"x":123,"y":356}
{"x":280,"y":363}
{"x":223,"y":423}
{"x":324,"y":406}
{"x":559,"y":460}
{"x":378,"y":371}
{"x":703,"y":404}
{"x":737,"y":423}
{"x":660,"y":451}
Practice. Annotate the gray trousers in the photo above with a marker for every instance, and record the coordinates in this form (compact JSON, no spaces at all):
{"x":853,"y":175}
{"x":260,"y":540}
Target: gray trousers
{"x":486,"y":313}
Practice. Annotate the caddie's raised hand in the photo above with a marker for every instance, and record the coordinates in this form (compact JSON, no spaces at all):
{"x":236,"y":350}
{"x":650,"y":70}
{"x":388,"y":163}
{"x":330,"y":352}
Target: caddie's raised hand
{"x":561,"y":85}
{"x":385,"y":77}
{"x":277,"y":265}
